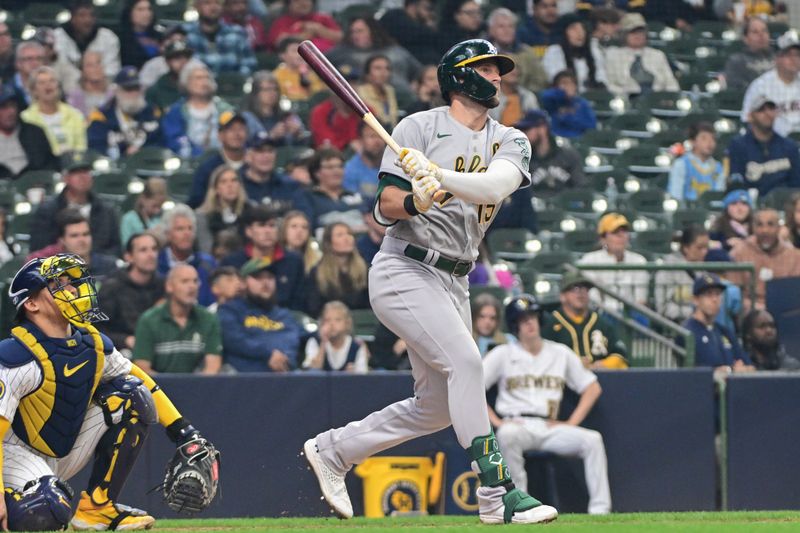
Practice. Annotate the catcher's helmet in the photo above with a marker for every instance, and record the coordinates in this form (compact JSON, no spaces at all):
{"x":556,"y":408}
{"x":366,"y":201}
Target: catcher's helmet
{"x":27,"y":281}
{"x":455,"y":74}
{"x":519,"y":306}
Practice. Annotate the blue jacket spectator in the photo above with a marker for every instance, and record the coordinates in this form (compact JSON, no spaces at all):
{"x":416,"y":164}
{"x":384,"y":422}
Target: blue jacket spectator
{"x":223,"y":47}
{"x":177,"y":127}
{"x":517,"y":212}
{"x":126,"y":122}
{"x":257,"y":334}
{"x":361,"y":170}
{"x":263,"y":182}
{"x":570,"y":116}
{"x":538,"y":30}
{"x":761,"y":158}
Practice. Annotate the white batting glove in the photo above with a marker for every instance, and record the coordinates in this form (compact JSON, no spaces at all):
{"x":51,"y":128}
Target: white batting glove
{"x":415,"y":164}
{"x":424,"y":190}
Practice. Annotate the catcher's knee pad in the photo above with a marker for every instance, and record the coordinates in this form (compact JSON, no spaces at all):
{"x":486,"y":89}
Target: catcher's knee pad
{"x":43,"y":505}
{"x":129,"y":410}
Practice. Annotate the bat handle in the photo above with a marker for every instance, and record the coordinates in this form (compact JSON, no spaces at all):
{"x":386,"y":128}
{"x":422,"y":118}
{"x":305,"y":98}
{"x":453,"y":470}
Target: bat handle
{"x":378,"y":128}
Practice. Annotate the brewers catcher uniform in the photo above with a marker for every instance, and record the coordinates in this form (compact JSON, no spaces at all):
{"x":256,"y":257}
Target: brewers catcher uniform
{"x":531,"y":375}
{"x":67,"y":397}
{"x":418,"y":285}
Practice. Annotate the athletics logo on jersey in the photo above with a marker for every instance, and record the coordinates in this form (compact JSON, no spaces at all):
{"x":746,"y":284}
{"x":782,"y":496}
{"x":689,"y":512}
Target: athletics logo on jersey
{"x":523,"y":148}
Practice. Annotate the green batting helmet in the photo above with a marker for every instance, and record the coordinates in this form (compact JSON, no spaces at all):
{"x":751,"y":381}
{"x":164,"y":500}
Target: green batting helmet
{"x":455,"y":73}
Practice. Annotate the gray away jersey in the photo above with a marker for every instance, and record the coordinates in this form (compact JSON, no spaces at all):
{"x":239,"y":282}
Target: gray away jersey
{"x":454,"y":227}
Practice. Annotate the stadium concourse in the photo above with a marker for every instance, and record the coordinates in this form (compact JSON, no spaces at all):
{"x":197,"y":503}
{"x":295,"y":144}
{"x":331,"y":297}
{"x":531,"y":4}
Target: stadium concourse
{"x":659,"y":234}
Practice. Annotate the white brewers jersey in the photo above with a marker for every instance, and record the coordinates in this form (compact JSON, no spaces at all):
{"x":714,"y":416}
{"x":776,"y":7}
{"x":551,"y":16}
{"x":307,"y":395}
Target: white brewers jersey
{"x":533,"y":384}
{"x":454,"y":228}
{"x":785,"y":95}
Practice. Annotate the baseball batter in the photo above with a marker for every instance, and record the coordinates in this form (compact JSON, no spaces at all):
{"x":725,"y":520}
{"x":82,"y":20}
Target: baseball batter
{"x":531,"y":375}
{"x":418,"y":285}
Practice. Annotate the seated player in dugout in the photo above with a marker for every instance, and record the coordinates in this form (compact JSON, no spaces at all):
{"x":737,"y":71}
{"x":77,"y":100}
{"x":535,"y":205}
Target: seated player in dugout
{"x":67,"y":396}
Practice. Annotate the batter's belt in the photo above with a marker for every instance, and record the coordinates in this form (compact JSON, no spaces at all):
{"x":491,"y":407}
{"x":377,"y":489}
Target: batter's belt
{"x":456,"y":267}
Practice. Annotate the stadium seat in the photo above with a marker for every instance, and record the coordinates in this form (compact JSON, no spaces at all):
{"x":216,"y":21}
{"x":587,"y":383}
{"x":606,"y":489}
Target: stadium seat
{"x":721,"y":124}
{"x":576,"y":201}
{"x":169,"y":11}
{"x":267,"y":60}
{"x":712,"y":32}
{"x":10,"y":267}
{"x":8,"y":197}
{"x":549,"y":219}
{"x":648,"y":201}
{"x":580,"y":241}
{"x":687,"y":217}
{"x":776,"y":29}
{"x":777,"y":197}
{"x":45,"y":14}
{"x":498,"y":292}
{"x":308,"y":324}
{"x":112,"y":185}
{"x":606,"y":103}
{"x":666,"y":139}
{"x":289,"y":154}
{"x":511,"y":244}
{"x":594,"y":162}
{"x":657,"y":241}
{"x":152,"y":161}
{"x":550,"y":262}
{"x":230,"y":85}
{"x":645,"y":160}
{"x":636,"y":124}
{"x":698,"y":83}
{"x":666,"y":104}
{"x":19,"y":226}
{"x":45,"y":179}
{"x":364,"y":324}
{"x":606,"y":142}
{"x":712,"y":200}
{"x":179,"y":186}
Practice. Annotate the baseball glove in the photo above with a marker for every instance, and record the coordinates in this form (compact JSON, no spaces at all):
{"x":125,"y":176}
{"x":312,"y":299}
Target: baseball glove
{"x":190,"y":483}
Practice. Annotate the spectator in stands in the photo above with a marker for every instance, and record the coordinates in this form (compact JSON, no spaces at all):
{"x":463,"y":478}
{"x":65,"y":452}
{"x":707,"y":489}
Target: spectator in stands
{"x":64,"y":125}
{"x":605,"y":27}
{"x":328,"y":201}
{"x":517,"y":212}
{"x":389,"y":352}
{"x":754,"y":60}
{"x":190,"y":126}
{"x":341,"y":274}
{"x":586,"y":331}
{"x":93,"y":89}
{"x":29,"y":56}
{"x":235,"y":12}
{"x":24,"y":146}
{"x":147,"y":210}
{"x":780,"y":85}
{"x":762,"y":158}
{"x":75,"y":237}
{"x":263,"y":183}
{"x":333,"y":346}
{"x":414,"y":28}
{"x":179,"y":336}
{"x":377,"y":91}
{"x":301,"y":20}
{"x":369,"y":243}
{"x":295,"y":78}
{"x":77,"y":193}
{"x":636,"y":68}
{"x":334,"y":124}
{"x":570,"y":113}
{"x":175,"y":53}
{"x":260,"y":226}
{"x":459,"y":20}
{"x":222,"y":47}
{"x":295,"y":236}
{"x":514,"y":99}
{"x":232,"y":141}
{"x":81,"y":33}
{"x":361,"y":170}
{"x":67,"y":73}
{"x":697,"y":171}
{"x":553,"y":167}
{"x":760,"y":339}
{"x":790,"y":231}
{"x":426,"y":90}
{"x":6,"y":53}
{"x":126,"y":123}
{"x":226,"y":284}
{"x":366,"y":38}
{"x":222,"y":208}
{"x":180,"y":226}
{"x":574,"y":52}
{"x":502,"y":33}
{"x":615,"y":237}
{"x":132,"y":290}
{"x":734,"y":224}
{"x":715,"y":346}
{"x":539,"y":29}
{"x":139,"y":32}
{"x":529,"y":392}
{"x":773,"y":258}
{"x":8,"y":248}
{"x":263,"y":112}
{"x":258,"y":335}
{"x":486,"y":313}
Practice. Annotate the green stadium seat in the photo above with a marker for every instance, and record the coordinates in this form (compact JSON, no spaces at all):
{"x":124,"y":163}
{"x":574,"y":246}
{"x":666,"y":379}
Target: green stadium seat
{"x":152,"y":161}
{"x":688,"y":217}
{"x":364,"y":324}
{"x":308,"y":324}
{"x":648,"y":201}
{"x":776,"y":29}
{"x":8,"y":197}
{"x":45,"y":14}
{"x":10,"y":267}
{"x":605,"y":103}
{"x":645,"y":160}
{"x":549,"y":219}
{"x":112,"y":185}
{"x":169,"y":11}
{"x":713,"y":32}
{"x":231,"y":84}
{"x":576,"y":201}
{"x":606,"y":142}
{"x":580,"y":241}
{"x":777,"y":197}
{"x":19,"y":226}
{"x":636,"y":124}
{"x":712,"y":200}
{"x":514,"y":244}
{"x":665,"y":139}
{"x":179,"y":186}
{"x":698,"y":82}
{"x":665,"y":104}
{"x":267,"y":60}
{"x":45,"y":179}
{"x":549,"y":262}
{"x":657,"y":241}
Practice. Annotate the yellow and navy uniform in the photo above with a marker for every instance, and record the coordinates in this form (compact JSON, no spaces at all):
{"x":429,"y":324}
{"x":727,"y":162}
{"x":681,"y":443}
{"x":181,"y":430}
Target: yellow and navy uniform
{"x":589,"y":336}
{"x":49,"y":418}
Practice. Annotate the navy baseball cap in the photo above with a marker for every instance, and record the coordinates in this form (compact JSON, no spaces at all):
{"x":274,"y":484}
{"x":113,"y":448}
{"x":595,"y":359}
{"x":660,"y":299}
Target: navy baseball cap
{"x":128,"y":78}
{"x":532,"y":119}
{"x":7,"y":93}
{"x":261,"y":139}
{"x":706,"y":281}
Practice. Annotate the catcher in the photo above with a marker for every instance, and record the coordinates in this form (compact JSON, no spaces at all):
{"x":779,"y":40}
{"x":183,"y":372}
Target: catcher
{"x":67,"y":396}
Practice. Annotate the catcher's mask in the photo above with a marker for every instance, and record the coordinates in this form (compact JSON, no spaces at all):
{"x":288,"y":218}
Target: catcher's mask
{"x":73,"y":288}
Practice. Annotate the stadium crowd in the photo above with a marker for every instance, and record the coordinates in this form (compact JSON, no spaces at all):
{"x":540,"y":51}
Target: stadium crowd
{"x":223,"y":196}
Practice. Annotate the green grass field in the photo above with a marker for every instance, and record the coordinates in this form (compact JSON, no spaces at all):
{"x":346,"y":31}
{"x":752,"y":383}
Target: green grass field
{"x":649,"y":522}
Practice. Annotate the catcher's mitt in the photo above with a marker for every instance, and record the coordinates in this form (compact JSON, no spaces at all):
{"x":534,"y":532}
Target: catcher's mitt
{"x":190,"y":483}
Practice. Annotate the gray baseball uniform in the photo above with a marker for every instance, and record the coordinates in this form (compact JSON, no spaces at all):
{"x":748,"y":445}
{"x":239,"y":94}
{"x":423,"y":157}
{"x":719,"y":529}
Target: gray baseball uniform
{"x":428,"y":307}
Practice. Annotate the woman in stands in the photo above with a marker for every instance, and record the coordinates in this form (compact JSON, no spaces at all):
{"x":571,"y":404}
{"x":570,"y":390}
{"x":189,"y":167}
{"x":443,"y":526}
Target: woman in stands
{"x":341,"y":274}
{"x":263,"y":112}
{"x":295,"y":235}
{"x":146,"y":212}
{"x":93,"y":88}
{"x":377,"y":91}
{"x":138,"y":33}
{"x":735,"y":222}
{"x":486,"y":323}
{"x":225,"y":201}
{"x":64,"y":125}
{"x":573,"y":52}
{"x":790,"y":231}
